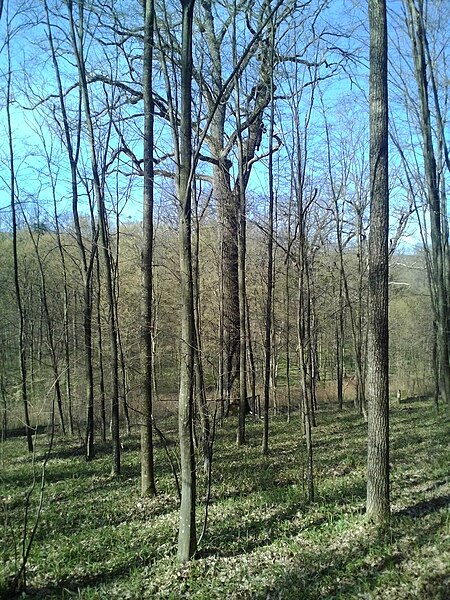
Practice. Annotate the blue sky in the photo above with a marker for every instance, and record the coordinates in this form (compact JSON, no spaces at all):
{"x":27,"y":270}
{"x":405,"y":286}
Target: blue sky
{"x":344,"y":98}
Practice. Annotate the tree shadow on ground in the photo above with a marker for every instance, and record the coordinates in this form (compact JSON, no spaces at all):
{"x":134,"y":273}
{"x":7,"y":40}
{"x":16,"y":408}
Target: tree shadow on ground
{"x":70,"y":587}
{"x":20,"y":431}
{"x":246,"y":538}
{"x":297,"y":516}
{"x":356,"y":570}
{"x":425,"y":507}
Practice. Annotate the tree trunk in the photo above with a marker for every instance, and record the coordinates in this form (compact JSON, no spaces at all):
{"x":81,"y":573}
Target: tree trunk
{"x":304,"y":384}
{"x":67,"y":365}
{"x":187,"y":538}
{"x":50,"y":334}
{"x":438,"y":226}
{"x":200,"y":390}
{"x":243,"y":403}
{"x":339,"y":337}
{"x":304,"y":351}
{"x":378,"y":502}
{"x":122,"y":367}
{"x":20,"y":308}
{"x":148,"y":486}
{"x":77,"y":43}
{"x":230,"y":276}
{"x":288,"y":319}
{"x":251,"y":359}
{"x":101,"y":370}
{"x":268,"y":349}
{"x":86,"y":262}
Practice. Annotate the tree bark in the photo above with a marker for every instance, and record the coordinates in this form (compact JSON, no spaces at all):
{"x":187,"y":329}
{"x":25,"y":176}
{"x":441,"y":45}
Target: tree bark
{"x":243,"y":403}
{"x":339,"y":338}
{"x":270,"y":278}
{"x":101,"y":370}
{"x":201,"y":402}
{"x":148,"y":486}
{"x":187,"y":538}
{"x":378,"y":502}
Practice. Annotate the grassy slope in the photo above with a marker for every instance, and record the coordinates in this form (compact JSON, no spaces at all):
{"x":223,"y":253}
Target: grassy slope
{"x":98,"y":539}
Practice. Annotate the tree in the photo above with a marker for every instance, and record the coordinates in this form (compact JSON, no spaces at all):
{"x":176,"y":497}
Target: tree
{"x":101,"y":370}
{"x":424,"y":72}
{"x":350,"y":199}
{"x":378,"y":502}
{"x":148,"y":486}
{"x":67,"y":366}
{"x":13,"y":200}
{"x":77,"y":38}
{"x":49,"y":325}
{"x":187,"y":538}
{"x":270,"y":278}
{"x":87,"y":257}
{"x":229,"y":193}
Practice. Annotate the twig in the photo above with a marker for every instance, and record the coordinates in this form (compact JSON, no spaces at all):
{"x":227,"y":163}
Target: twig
{"x":166,"y":449}
{"x":19,"y":580}
{"x":208,"y":493}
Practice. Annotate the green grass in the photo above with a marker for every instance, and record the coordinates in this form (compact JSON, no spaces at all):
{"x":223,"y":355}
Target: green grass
{"x":97,"y":538}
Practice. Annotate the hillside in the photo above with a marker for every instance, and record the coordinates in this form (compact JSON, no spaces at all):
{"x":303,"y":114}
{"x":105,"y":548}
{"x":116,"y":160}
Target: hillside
{"x":97,"y":538}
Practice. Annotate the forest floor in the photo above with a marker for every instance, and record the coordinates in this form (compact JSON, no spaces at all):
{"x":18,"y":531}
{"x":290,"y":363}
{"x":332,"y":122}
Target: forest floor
{"x":97,"y":538}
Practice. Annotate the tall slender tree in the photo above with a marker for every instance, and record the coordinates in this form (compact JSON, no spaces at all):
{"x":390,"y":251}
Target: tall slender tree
{"x":148,"y":486}
{"x":49,"y":322}
{"x":13,"y":201}
{"x":77,"y":36}
{"x":187,"y":538}
{"x":435,"y":183}
{"x":270,"y":278}
{"x":378,"y":502}
{"x":86,"y":258}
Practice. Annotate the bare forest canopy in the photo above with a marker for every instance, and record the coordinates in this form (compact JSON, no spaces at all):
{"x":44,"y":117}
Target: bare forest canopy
{"x":219,"y":209}
{"x":280,"y":87}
